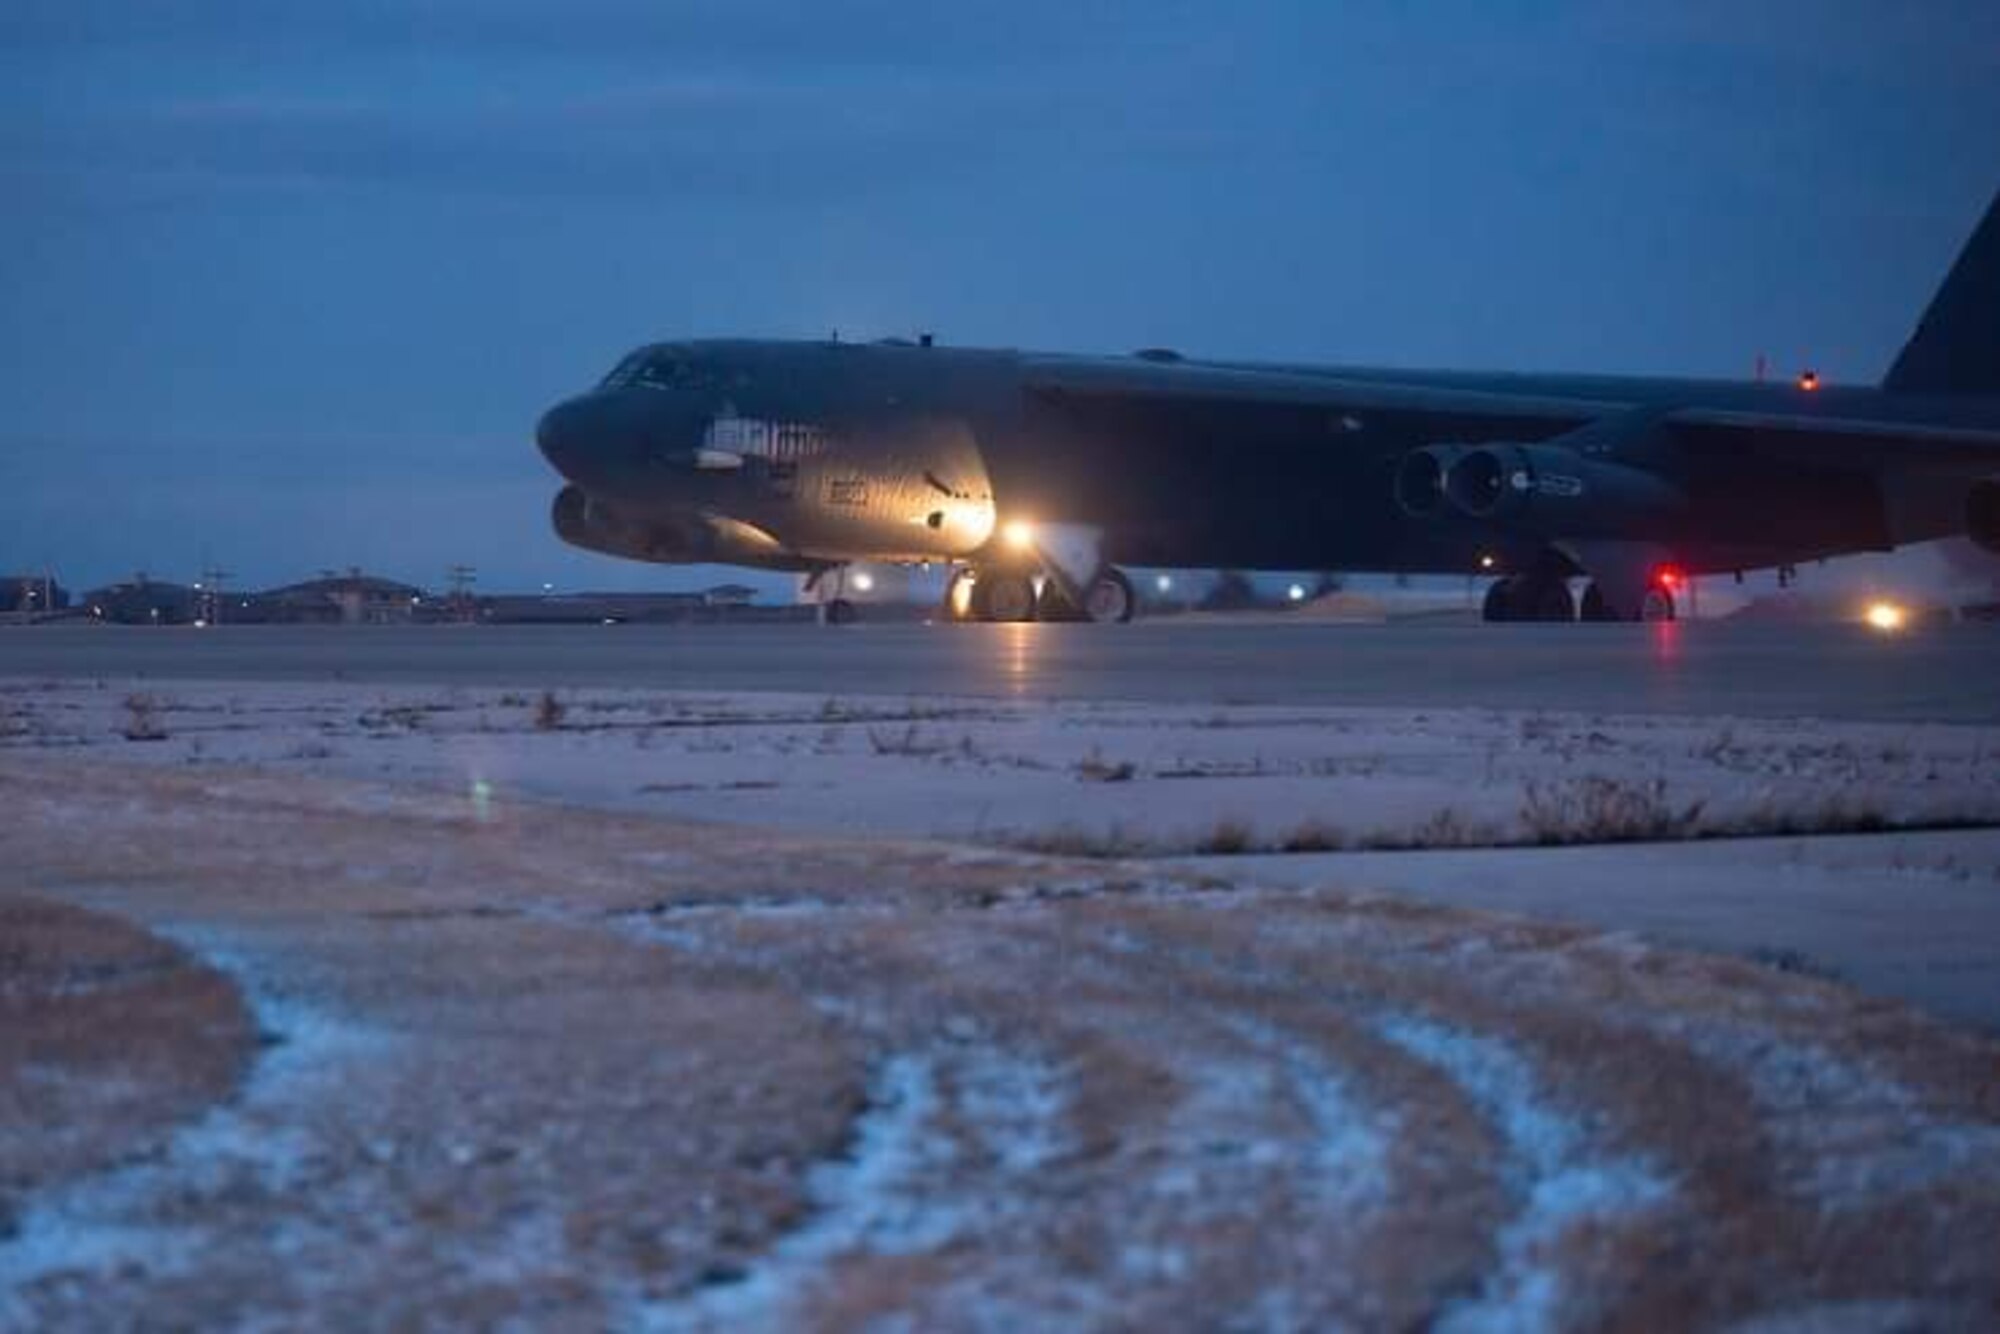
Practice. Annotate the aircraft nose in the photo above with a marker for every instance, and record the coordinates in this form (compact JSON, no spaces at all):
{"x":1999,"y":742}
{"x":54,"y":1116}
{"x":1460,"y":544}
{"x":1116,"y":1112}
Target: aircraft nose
{"x":605,"y":441}
{"x":563,"y":437}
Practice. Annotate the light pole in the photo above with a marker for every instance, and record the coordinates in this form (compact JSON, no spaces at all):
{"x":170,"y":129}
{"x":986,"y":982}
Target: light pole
{"x":211,"y":586}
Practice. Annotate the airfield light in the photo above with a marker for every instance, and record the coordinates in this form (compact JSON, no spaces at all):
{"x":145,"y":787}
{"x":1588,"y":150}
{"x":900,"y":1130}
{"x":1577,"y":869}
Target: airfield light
{"x":1886,"y":616}
{"x":1018,"y":534}
{"x":1165,"y":583}
{"x":1488,"y":560}
{"x":1297,"y":593}
{"x":1670,"y":577}
{"x":864,"y":582}
{"x":1809,"y":380}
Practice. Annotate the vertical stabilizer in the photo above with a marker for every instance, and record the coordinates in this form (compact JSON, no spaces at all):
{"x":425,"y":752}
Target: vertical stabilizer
{"x":1956,"y":347}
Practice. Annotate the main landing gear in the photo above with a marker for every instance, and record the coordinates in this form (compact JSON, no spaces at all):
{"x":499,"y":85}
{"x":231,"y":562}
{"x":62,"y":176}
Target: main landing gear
{"x":1006,"y":594}
{"x":1541,"y":593}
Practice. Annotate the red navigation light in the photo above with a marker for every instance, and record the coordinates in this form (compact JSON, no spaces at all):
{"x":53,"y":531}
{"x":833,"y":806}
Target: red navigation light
{"x":1809,"y":380}
{"x":1670,"y":577}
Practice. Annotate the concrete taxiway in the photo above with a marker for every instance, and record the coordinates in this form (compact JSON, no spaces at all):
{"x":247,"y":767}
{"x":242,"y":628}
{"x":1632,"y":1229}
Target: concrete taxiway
{"x":1943,"y":673}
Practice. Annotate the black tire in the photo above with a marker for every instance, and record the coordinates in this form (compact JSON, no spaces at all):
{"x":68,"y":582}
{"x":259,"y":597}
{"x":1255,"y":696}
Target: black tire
{"x":1004,"y":596}
{"x":1054,"y":605}
{"x":1595,"y":608}
{"x":1499,"y":602}
{"x":1550,"y":601}
{"x":1110,"y":599}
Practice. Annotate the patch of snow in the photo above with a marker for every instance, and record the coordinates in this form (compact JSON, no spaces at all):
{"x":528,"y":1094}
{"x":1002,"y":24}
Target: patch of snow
{"x":868,"y":1201}
{"x":1861,"y":1133}
{"x":254,"y":1142}
{"x":1560,"y":1181}
{"x":1348,"y":1156}
{"x":1015,"y":1107}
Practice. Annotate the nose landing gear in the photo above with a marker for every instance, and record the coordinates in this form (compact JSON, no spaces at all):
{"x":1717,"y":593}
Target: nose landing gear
{"x":1004,"y":594}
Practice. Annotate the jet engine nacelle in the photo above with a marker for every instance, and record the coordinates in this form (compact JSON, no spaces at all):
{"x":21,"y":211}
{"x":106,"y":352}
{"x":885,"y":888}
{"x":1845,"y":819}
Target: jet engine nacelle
{"x":1420,"y":480}
{"x":1553,"y":487}
{"x":1982,"y":515}
{"x":585,"y":522}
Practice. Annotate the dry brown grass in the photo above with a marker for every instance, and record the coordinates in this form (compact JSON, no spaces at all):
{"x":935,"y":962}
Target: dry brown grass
{"x":142,"y":719}
{"x":109,"y":1037}
{"x":1596,"y":809}
{"x":1314,"y":836}
{"x":670,"y":1103}
{"x":1094,"y":768}
{"x":549,"y":712}
{"x":1227,"y":837}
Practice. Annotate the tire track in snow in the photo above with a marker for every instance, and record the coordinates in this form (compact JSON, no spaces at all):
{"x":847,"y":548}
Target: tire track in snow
{"x":1561,"y":1182}
{"x":866,"y":1200}
{"x":138,"y":1219}
{"x":903,"y":1186}
{"x":1852,"y":1133}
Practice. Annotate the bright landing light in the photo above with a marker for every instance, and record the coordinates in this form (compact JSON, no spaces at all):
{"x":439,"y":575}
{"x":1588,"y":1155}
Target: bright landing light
{"x":1018,"y":534}
{"x":864,"y":582}
{"x":1886,"y":616}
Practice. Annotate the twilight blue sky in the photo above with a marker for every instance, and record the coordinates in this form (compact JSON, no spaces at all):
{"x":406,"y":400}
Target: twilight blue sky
{"x":286,"y":284}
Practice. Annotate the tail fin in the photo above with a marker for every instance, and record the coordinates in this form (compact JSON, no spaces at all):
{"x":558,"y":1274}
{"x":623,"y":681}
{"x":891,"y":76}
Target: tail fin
{"x":1956,"y":348}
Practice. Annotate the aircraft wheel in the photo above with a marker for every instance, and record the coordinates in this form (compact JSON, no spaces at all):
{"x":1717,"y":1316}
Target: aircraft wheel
{"x":1658,"y":605}
{"x":1054,"y":605}
{"x":1110,"y":600}
{"x":839,"y":612}
{"x":1004,"y":597}
{"x":1549,"y":601}
{"x":1595,"y":608}
{"x":1499,"y":603}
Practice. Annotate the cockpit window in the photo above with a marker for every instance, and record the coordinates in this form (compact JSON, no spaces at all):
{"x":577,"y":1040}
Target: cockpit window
{"x":622,"y":374}
{"x":671,"y":371}
{"x":660,"y":368}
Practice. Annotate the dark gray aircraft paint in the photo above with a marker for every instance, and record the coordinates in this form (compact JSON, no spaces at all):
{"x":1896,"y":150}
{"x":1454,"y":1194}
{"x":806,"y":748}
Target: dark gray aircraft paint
{"x":1037,"y":476}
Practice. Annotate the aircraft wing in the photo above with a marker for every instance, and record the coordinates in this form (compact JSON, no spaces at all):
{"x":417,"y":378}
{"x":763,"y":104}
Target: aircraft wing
{"x":1059,"y":378}
{"x":1839,"y":441}
{"x":1822,"y":438}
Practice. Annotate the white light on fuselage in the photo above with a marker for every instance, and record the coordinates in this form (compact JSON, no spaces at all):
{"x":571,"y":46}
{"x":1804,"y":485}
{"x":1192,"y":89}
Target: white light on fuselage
{"x":1886,"y":616}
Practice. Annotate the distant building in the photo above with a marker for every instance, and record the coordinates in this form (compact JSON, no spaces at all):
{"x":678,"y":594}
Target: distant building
{"x":31,"y":594}
{"x":353,"y":598}
{"x":730,"y":595}
{"x":143,"y":601}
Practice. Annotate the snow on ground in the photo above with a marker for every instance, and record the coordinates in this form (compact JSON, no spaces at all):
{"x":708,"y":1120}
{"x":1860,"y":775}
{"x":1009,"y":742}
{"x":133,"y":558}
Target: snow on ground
{"x":262,"y":1142}
{"x":788,"y":1065}
{"x":1560,"y":1184}
{"x":1068,"y":777}
{"x":1319,"y":795}
{"x":1912,"y":915}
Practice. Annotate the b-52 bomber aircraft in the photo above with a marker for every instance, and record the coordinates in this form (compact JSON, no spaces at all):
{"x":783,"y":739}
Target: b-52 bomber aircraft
{"x":1036,"y":477}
